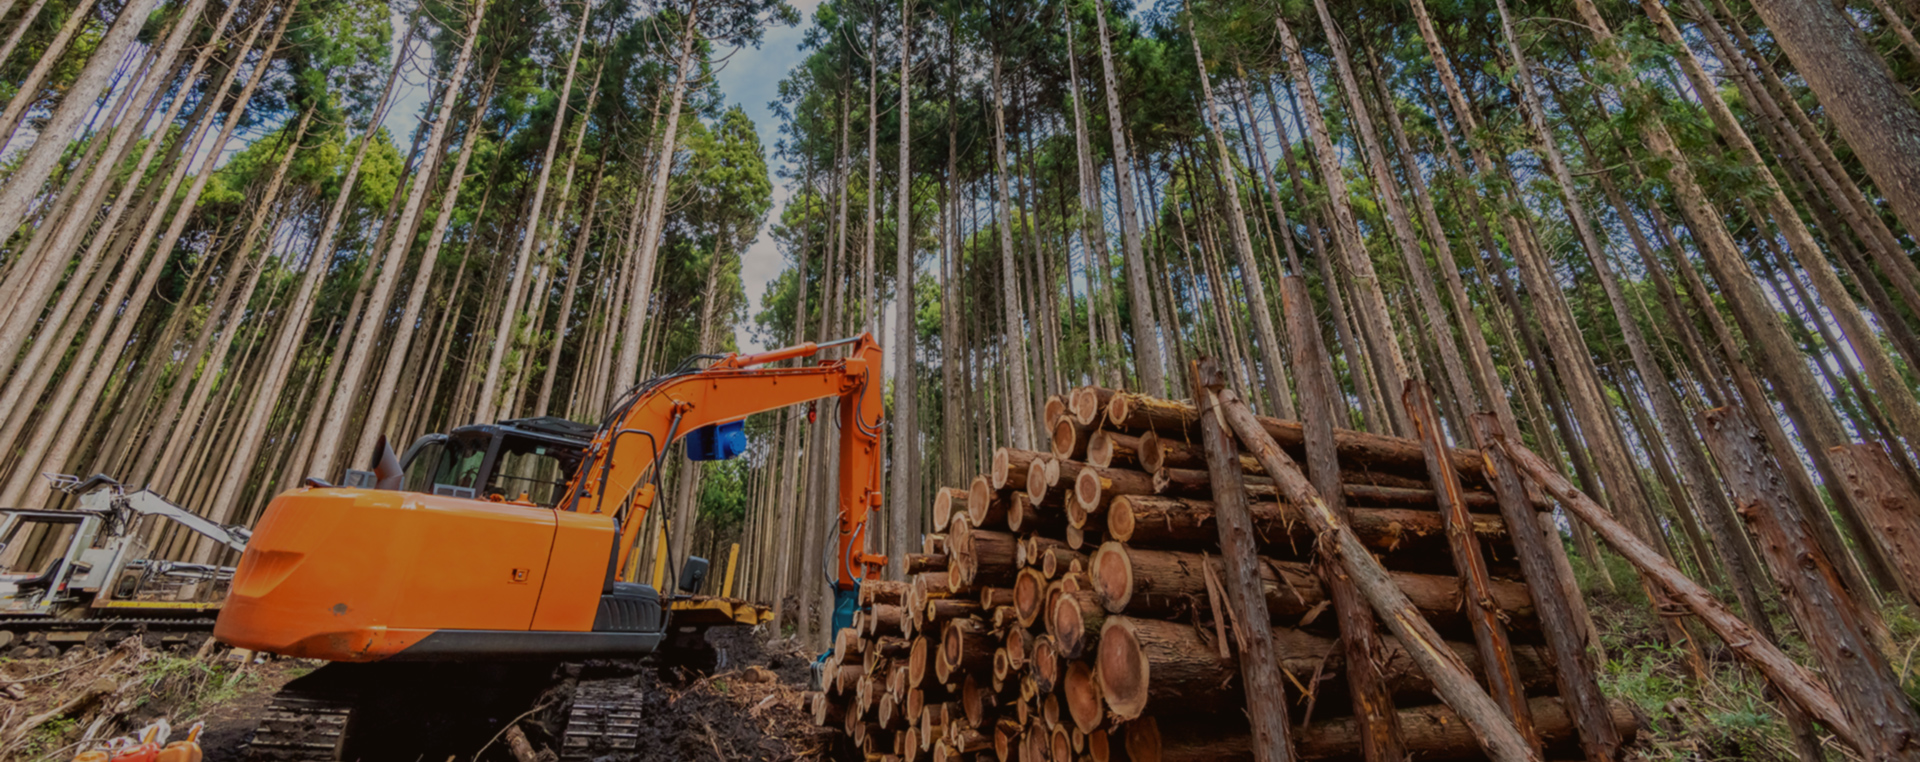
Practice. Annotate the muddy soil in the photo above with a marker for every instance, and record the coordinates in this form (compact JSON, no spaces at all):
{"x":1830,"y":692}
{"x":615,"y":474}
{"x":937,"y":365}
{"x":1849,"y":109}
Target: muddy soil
{"x":751,"y":706}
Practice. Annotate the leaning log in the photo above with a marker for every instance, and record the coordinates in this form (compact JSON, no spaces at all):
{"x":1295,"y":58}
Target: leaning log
{"x":1496,"y":650}
{"x":1560,"y":625}
{"x":1240,"y":573}
{"x":1788,"y":676}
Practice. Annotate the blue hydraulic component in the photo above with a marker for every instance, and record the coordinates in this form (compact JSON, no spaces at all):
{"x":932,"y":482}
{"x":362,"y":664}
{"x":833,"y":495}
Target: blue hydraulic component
{"x":845,"y":602}
{"x":720,"y":441}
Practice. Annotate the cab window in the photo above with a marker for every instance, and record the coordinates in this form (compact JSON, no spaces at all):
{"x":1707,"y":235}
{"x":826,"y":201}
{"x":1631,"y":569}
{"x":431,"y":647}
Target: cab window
{"x":529,"y":469}
{"x":453,"y":461}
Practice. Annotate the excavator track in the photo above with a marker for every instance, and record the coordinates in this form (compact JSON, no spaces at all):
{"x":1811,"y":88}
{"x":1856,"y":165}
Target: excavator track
{"x":301,"y":727}
{"x":603,"y":721}
{"x":24,"y":623}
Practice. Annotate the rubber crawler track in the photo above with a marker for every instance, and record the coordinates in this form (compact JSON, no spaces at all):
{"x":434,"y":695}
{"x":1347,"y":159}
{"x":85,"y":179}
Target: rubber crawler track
{"x":299,"y":727}
{"x":604,"y":721}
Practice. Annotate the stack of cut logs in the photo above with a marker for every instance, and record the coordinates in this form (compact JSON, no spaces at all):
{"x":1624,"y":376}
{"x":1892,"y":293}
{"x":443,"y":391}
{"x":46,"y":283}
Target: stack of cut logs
{"x":1069,"y":610}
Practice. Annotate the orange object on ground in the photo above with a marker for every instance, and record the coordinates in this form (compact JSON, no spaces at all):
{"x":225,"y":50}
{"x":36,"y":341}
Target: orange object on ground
{"x":184,"y":751}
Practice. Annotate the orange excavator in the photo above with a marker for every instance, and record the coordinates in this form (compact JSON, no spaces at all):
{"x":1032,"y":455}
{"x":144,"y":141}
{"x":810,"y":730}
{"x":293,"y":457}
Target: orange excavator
{"x":496,"y":562}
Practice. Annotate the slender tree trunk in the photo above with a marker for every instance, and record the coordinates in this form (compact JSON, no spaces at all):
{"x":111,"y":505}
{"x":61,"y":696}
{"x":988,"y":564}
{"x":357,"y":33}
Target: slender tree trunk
{"x":1893,"y":391}
{"x":1014,"y":353}
{"x":24,"y":183}
{"x":509,"y":316}
{"x":279,"y":360}
{"x":1870,"y":110}
{"x":383,"y":388}
{"x":1146,"y":328}
{"x":28,"y":90}
{"x":1399,"y":224}
{"x":165,"y":431}
{"x":333,"y":424}
{"x":51,"y":453}
{"x":650,"y":232}
{"x":1792,"y":381}
{"x":905,"y":526}
{"x":1383,"y":342}
{"x":1250,"y":278}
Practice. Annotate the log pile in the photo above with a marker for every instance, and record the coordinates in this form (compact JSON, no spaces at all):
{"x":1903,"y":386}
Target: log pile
{"x":1073,"y":607}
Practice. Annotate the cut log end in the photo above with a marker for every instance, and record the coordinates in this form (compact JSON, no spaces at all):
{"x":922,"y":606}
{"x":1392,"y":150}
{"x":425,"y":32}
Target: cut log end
{"x":1120,"y":519}
{"x":1083,"y":696}
{"x":1087,"y":403}
{"x":1038,"y":481}
{"x":1112,"y":572}
{"x":1123,"y":670}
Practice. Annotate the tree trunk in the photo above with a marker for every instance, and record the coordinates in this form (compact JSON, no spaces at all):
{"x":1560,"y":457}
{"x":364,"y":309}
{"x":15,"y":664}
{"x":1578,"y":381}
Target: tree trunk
{"x":647,"y":247}
{"x":279,"y":360}
{"x":1014,"y":350}
{"x":1400,"y":225}
{"x":1375,"y":328}
{"x":1146,"y":329}
{"x":1832,"y":623}
{"x":58,"y":448}
{"x":1250,"y":277}
{"x":1870,"y":110}
{"x":23,"y":183}
{"x":904,"y":528}
{"x":490,"y":388}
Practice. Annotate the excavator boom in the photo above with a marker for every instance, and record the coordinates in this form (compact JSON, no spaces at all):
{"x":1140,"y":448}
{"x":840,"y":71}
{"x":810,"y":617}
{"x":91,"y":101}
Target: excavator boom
{"x":625,"y":453}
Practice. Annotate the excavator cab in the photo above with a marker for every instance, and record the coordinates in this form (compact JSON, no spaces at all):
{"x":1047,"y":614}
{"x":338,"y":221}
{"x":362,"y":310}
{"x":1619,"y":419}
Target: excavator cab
{"x":524,"y":459}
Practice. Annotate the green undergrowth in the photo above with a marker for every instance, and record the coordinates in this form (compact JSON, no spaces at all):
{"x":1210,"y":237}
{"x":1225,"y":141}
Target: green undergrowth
{"x":186,"y":687}
{"x":1729,"y":715}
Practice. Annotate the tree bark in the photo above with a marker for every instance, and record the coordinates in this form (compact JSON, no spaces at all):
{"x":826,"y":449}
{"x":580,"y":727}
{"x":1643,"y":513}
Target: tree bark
{"x":1246,"y":607}
{"x":905,"y":526}
{"x":1146,"y":328}
{"x":1870,"y":110}
{"x":24,"y":182}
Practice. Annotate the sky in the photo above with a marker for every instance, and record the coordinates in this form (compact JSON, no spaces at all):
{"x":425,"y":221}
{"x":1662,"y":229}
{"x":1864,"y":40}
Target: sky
{"x":752,"y":78}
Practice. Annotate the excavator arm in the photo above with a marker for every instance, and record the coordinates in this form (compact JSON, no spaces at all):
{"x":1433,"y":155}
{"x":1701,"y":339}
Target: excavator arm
{"x":618,"y":475}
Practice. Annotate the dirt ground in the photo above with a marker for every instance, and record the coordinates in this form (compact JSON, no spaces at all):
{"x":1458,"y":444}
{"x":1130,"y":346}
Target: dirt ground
{"x":750,"y":707}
